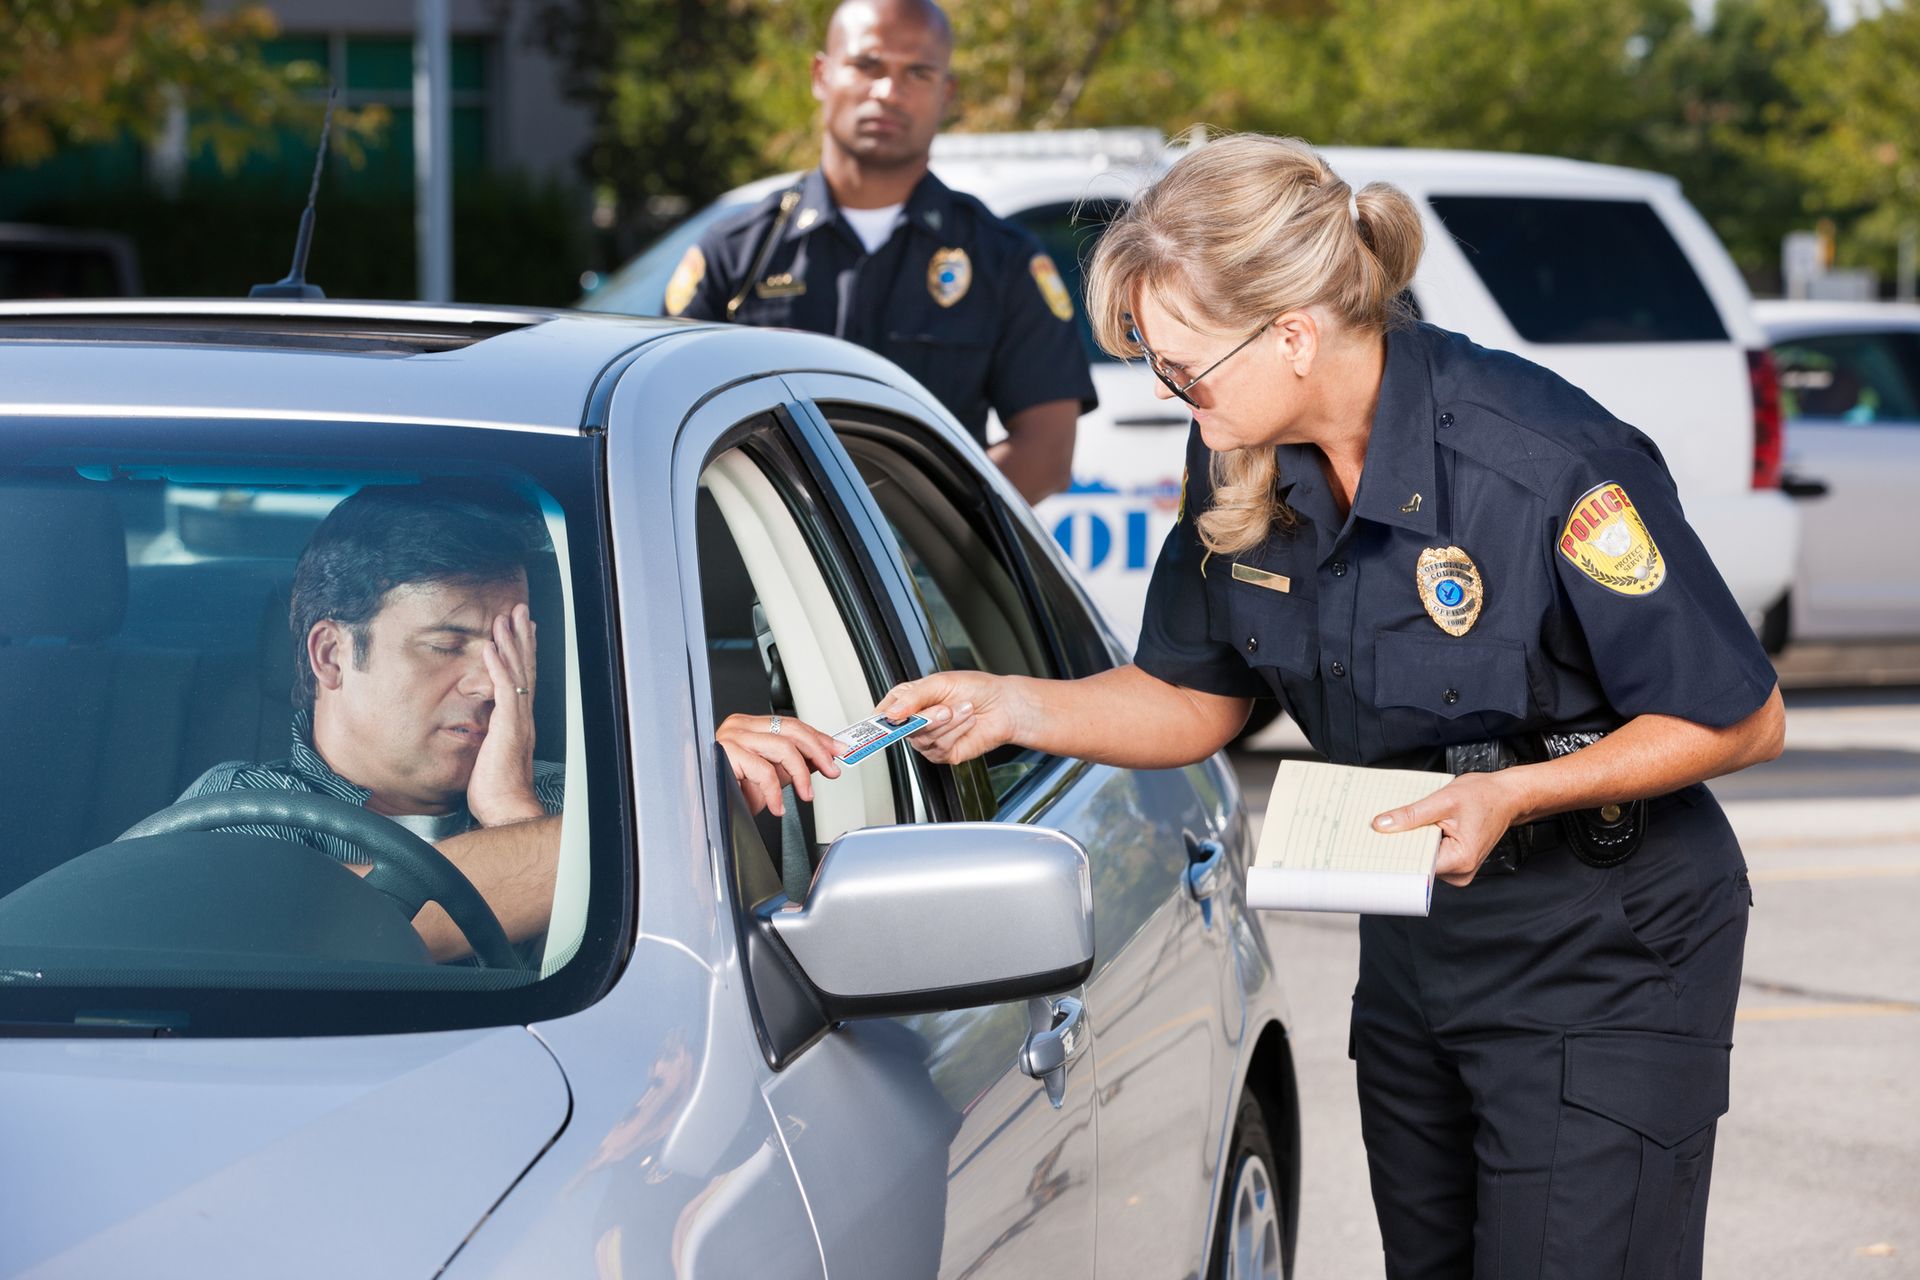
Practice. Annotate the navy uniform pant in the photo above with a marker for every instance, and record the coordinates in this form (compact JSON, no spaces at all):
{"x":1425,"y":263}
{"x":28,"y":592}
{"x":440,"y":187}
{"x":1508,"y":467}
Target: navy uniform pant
{"x":1542,"y":1060}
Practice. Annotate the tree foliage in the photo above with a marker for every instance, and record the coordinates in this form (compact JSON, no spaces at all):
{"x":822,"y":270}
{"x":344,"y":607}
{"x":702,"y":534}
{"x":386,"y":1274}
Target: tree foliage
{"x":668,"y":87}
{"x":74,"y":72}
{"x":1768,"y":116}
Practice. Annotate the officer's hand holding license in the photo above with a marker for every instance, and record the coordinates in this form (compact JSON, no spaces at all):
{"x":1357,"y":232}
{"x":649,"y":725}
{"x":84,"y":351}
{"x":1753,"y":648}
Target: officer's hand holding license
{"x":971,"y":713}
{"x":1473,"y":812}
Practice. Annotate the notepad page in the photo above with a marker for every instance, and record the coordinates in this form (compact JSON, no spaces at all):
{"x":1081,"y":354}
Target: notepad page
{"x":1320,"y":817}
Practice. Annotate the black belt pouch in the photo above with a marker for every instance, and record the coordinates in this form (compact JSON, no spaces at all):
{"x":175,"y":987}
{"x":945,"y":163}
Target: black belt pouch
{"x":1603,"y":837}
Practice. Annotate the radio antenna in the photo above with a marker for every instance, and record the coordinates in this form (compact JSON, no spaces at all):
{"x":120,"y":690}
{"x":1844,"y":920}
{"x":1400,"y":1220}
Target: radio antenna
{"x":295,"y":284}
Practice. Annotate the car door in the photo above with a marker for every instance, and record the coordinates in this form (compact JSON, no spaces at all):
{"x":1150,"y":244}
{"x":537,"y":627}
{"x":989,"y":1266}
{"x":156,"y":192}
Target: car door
{"x":922,"y":1146}
{"x":1852,"y":405}
{"x":1162,"y":1003}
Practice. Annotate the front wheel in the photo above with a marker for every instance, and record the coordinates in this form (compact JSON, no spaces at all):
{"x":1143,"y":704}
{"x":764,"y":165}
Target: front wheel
{"x":1249,"y":1241}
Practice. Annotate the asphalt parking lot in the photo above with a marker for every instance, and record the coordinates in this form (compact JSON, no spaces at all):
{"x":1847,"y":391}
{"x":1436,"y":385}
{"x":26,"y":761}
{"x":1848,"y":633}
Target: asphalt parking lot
{"x":1818,"y":1169}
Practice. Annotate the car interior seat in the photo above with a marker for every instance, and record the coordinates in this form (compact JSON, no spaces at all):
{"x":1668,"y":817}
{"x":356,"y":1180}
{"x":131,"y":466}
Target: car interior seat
{"x":92,"y":739}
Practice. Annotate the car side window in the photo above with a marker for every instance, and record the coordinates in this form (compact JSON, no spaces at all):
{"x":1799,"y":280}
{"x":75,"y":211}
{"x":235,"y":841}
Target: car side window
{"x":783,"y":636}
{"x":1851,"y":377}
{"x":973,"y":571}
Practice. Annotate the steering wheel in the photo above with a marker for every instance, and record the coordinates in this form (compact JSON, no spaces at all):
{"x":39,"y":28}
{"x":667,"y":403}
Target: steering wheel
{"x":405,"y":867}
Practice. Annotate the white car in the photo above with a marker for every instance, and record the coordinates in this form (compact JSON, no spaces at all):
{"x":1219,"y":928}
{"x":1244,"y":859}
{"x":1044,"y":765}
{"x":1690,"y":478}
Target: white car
{"x":1850,"y":391}
{"x":1605,"y":275}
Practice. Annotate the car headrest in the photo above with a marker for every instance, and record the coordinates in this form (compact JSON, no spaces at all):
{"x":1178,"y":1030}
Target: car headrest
{"x":275,"y":649}
{"x":64,"y":570}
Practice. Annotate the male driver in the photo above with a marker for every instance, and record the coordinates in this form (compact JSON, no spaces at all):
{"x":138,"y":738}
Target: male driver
{"x":414,"y":681}
{"x":413,"y":692}
{"x":871,"y":247}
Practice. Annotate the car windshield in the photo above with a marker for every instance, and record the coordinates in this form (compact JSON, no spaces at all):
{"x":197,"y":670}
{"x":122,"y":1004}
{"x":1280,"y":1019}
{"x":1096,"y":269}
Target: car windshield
{"x":640,"y":287}
{"x":253,"y":729}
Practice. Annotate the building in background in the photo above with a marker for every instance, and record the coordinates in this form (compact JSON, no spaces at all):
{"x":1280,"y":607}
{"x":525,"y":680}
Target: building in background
{"x":521,"y":207}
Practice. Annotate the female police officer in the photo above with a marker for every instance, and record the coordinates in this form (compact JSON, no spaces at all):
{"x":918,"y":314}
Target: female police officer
{"x":1420,"y":544}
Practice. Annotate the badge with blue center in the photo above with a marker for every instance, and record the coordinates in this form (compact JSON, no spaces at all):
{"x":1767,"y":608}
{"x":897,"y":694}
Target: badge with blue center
{"x":1450,"y":588}
{"x":949,"y":276}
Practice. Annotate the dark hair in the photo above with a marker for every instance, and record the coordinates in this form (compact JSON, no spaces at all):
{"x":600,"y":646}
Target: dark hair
{"x":387,"y":536}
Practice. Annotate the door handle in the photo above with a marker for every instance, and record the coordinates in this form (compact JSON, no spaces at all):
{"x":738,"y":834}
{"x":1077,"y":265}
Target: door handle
{"x":1207,"y":868}
{"x":1795,"y":485}
{"x":1056,"y":1037}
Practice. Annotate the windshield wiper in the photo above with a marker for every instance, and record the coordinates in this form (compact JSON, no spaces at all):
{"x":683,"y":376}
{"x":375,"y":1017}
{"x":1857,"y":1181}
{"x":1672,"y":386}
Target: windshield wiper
{"x":87,"y":1026}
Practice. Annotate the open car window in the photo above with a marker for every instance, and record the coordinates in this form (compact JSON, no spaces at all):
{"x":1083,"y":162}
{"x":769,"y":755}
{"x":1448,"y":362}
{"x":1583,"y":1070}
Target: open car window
{"x":148,"y":657}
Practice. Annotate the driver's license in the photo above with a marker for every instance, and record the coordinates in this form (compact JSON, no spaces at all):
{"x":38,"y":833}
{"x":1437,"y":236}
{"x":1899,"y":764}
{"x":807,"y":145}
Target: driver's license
{"x":875,"y":733}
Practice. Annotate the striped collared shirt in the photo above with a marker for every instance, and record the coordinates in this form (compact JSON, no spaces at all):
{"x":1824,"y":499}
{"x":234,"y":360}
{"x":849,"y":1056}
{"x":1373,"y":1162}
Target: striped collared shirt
{"x":304,"y":770}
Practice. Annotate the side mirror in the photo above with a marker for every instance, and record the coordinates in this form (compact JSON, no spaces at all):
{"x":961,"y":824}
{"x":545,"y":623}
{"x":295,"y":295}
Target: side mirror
{"x":918,"y":919}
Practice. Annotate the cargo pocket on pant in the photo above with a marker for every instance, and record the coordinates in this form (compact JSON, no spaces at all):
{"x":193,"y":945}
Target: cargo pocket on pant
{"x":1634,"y":1151}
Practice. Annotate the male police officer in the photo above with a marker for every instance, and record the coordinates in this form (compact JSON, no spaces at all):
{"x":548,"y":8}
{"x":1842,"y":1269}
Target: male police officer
{"x":873,"y":248}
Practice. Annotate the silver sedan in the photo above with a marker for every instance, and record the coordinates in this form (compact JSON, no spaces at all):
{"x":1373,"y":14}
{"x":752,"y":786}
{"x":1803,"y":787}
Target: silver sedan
{"x":1011,"y":1018}
{"x":1850,"y":394}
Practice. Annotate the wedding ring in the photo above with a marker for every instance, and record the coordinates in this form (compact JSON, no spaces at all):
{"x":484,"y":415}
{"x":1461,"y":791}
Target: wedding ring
{"x":773,"y":726}
{"x":522,"y":690}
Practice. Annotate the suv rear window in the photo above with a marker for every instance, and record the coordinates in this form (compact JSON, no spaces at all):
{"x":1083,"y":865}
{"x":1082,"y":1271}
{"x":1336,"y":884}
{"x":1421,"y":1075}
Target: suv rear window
{"x":1590,"y":271}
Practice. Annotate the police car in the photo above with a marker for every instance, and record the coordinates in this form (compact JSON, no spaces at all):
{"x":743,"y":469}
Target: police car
{"x":1608,"y":276}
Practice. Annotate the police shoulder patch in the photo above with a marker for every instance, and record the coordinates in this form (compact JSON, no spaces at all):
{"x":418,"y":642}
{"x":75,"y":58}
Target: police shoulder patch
{"x":1605,"y":538}
{"x":1052,"y":287}
{"x":686,"y":279}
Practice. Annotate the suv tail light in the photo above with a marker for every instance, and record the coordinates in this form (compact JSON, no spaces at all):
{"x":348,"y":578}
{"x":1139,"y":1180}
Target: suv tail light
{"x":1767,"y":443}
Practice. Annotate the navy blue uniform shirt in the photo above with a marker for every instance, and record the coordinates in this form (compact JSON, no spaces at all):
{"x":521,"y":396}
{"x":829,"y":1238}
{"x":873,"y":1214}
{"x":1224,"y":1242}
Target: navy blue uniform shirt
{"x":964,"y":301}
{"x":1598,"y":602}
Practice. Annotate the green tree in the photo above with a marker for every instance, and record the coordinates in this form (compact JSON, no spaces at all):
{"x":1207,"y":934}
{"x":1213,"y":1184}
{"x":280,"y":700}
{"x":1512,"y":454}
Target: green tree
{"x":74,"y":72}
{"x":1857,"y":140}
{"x":1568,"y":77}
{"x":1739,"y":115}
{"x":669,"y":88}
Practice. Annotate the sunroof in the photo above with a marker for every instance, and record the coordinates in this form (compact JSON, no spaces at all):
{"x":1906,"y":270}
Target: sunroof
{"x":266,"y":332}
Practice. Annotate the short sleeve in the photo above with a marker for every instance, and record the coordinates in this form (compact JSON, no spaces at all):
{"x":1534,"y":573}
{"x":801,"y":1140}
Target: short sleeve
{"x":1665,"y":634}
{"x":1176,"y":643}
{"x":699,"y":284}
{"x":1037,"y":354}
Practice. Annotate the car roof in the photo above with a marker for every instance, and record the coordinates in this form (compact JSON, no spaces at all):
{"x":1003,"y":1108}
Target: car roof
{"x":490,"y":366}
{"x":1468,"y":170}
{"x":1012,"y":172}
{"x":414,"y":363}
{"x":1784,"y":318}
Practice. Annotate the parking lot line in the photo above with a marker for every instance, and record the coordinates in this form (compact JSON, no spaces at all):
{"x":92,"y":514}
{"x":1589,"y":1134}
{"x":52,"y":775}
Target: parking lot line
{"x":1854,"y":1009}
{"x":1830,"y":873}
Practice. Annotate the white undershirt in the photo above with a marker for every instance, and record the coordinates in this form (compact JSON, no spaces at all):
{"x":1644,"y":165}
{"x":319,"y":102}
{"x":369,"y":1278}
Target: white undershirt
{"x":873,"y":226}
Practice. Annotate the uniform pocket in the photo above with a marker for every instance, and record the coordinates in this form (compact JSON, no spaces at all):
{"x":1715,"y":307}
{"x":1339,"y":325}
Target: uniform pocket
{"x":951,"y":365}
{"x":765,"y":313}
{"x":1270,"y":628}
{"x":1449,"y":688}
{"x":1633,"y":1152}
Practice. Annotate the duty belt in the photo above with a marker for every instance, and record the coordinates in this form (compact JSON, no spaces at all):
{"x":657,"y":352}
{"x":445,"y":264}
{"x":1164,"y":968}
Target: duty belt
{"x":1602,"y":837}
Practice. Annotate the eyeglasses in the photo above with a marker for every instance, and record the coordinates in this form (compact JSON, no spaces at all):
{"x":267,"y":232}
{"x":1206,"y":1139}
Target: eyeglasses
{"x":1180,"y":389}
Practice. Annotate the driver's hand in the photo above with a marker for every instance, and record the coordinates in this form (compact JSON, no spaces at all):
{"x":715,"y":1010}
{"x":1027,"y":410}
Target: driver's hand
{"x":501,"y":789}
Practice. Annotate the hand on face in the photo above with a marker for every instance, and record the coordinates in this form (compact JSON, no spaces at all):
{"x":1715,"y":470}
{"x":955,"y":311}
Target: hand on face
{"x":1473,"y":812}
{"x":501,"y":788}
{"x":765,"y":761}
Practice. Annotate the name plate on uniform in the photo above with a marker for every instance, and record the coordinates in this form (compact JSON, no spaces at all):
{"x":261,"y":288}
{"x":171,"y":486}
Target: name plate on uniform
{"x":1261,"y":578}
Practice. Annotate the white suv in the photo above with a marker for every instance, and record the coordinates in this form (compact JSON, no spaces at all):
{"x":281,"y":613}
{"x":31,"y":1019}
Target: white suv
{"x":1605,"y":275}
